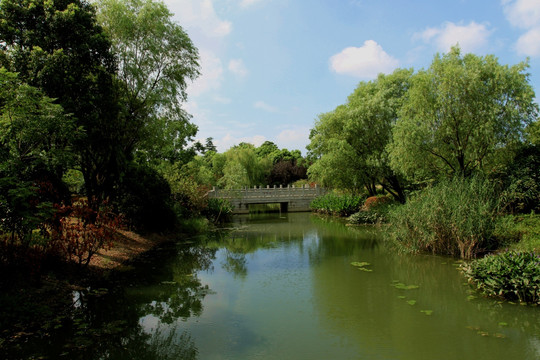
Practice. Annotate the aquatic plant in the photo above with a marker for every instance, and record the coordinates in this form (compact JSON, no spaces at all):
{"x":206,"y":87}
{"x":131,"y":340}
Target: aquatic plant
{"x":455,"y":217}
{"x":338,"y":205}
{"x":510,"y":275}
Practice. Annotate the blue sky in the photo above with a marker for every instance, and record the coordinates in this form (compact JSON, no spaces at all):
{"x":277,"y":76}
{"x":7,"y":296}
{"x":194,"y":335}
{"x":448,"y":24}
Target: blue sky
{"x":269,"y":67}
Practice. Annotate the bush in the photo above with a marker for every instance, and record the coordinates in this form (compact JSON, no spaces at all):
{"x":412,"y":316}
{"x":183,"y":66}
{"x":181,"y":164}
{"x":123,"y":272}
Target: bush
{"x":218,"y":210}
{"x":145,"y":200}
{"x":522,"y":181}
{"x":340,"y":205}
{"x":510,"y":275}
{"x":455,"y":217}
{"x":374,"y":211}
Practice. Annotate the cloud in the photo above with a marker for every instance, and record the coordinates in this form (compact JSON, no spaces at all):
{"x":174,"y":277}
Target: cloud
{"x":472,"y":37}
{"x":200,"y":15}
{"x":529,"y":43}
{"x":522,"y":13}
{"x":364,"y":62}
{"x":264,"y":106}
{"x":211,"y":74}
{"x":293,"y":138}
{"x":237,"y":67}
{"x":227,"y":141}
{"x":247,"y":3}
{"x":525,"y":14}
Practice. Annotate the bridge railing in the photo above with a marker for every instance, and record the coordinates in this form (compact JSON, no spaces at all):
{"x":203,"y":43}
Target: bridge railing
{"x":267,"y":192}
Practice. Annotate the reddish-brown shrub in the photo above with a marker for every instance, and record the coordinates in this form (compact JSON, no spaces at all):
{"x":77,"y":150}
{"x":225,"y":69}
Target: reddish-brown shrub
{"x":80,"y":231}
{"x":374,"y":201}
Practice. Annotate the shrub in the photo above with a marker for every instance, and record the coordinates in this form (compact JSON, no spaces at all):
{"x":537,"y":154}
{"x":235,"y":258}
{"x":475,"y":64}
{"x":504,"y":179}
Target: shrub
{"x":145,"y":200}
{"x":218,"y":210}
{"x":510,"y":275}
{"x":374,"y":211}
{"x":522,"y":181}
{"x":455,"y":217}
{"x":340,"y":205}
{"x":81,"y":231}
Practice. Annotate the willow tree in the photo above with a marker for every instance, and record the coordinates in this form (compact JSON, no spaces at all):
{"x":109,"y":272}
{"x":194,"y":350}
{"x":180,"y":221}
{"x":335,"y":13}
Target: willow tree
{"x":461,"y":115}
{"x":351,"y":141}
{"x":156,"y":59}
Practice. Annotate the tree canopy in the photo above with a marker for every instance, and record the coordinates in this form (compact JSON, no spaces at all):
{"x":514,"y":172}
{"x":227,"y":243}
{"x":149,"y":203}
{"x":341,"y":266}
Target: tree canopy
{"x":460,"y":114}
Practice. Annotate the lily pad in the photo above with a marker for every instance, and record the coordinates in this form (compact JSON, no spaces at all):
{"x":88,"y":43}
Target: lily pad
{"x":411,"y":302}
{"x":427,"y":312}
{"x":402,"y":286}
{"x":360,"y":263}
{"x":401,"y":297}
{"x":364,"y":269}
{"x":502,"y":323}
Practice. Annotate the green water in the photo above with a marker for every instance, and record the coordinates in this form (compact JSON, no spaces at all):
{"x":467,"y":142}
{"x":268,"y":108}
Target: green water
{"x":283,"y":287}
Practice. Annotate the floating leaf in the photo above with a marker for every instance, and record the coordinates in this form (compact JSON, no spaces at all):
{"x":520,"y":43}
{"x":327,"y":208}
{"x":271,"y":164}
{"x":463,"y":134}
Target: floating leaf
{"x":401,"y":297}
{"x":502,"y":323}
{"x":471,"y":297}
{"x":411,"y":302}
{"x":364,"y":269}
{"x":500,"y":336}
{"x":483,"y":333}
{"x":360,"y":264}
{"x":427,"y":312}
{"x":402,"y":286}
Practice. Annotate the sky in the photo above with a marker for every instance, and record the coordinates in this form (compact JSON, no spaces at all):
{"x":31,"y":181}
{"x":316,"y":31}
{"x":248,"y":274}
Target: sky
{"x":270,"y":67}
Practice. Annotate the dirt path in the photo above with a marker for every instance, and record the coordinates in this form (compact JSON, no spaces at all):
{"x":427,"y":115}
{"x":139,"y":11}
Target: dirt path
{"x":127,"y":246}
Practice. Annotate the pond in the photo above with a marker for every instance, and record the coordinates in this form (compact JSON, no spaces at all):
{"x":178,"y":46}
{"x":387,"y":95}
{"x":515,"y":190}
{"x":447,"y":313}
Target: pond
{"x":284,"y":287}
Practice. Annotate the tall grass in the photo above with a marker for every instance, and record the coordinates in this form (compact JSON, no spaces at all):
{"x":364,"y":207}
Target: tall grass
{"x":455,"y":217}
{"x":339,"y":205}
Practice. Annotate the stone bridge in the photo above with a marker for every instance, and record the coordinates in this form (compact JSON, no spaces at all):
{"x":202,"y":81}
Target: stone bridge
{"x":290,"y":198}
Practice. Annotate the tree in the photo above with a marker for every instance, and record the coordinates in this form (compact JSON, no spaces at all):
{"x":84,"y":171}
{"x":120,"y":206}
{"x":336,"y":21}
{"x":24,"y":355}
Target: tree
{"x":155,"y":58}
{"x":244,"y":168}
{"x":350,"y":142}
{"x":58,"y":47}
{"x":35,"y":140}
{"x":459,"y":114}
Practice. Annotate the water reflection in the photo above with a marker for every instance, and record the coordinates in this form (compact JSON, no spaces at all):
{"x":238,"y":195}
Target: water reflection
{"x":284,"y":287}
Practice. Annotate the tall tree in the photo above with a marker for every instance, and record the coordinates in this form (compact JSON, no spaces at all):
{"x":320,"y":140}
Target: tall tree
{"x":156,"y":58}
{"x":350,"y":142}
{"x":460,"y":114}
{"x":58,"y":47}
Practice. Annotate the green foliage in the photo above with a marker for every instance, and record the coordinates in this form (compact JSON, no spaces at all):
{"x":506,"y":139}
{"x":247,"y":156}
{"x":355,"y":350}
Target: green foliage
{"x":376,"y":214}
{"x":218,"y":210}
{"x":145,"y":200}
{"x":522,"y":181}
{"x":455,"y":217}
{"x":460,"y":115}
{"x":510,"y":275}
{"x":43,"y":41}
{"x":339,"y":205}
{"x":244,"y":168}
{"x":350,"y":142}
{"x":156,"y":59}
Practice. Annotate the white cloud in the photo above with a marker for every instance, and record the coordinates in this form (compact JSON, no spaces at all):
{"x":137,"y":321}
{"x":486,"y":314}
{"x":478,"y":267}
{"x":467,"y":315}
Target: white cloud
{"x":529,"y":43}
{"x":293,"y":138}
{"x":525,"y":14}
{"x":364,"y":62}
{"x":264,"y":106}
{"x":200,"y":15}
{"x":237,"y":67}
{"x":227,"y":141}
{"x":211,"y":74}
{"x":522,"y":13}
{"x":247,"y":3}
{"x":472,"y":37}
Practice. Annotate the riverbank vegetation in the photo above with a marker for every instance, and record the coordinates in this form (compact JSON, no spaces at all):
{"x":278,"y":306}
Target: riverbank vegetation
{"x":457,"y":145}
